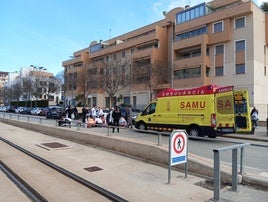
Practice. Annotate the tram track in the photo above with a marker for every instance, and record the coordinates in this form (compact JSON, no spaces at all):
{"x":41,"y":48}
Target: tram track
{"x":89,"y":185}
{"x":28,"y":190}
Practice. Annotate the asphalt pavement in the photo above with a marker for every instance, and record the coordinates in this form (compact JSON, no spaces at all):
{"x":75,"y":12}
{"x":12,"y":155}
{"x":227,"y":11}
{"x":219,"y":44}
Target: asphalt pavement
{"x":135,"y":179}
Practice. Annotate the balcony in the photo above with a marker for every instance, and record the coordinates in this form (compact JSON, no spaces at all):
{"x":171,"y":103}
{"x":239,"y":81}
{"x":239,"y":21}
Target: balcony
{"x":188,"y":62}
{"x":126,"y":45}
{"x":149,"y":52}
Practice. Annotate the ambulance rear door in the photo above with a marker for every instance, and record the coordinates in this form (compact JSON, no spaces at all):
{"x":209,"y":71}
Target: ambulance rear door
{"x":242,"y":111}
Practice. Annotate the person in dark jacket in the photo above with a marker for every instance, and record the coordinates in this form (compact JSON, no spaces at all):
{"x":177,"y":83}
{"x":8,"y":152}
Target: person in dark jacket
{"x":116,"y":116}
{"x":84,"y":113}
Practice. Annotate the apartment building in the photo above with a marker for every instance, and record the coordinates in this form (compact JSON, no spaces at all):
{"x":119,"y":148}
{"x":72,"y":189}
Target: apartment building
{"x":219,"y":42}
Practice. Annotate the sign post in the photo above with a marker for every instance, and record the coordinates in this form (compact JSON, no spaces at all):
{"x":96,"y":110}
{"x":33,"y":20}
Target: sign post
{"x":178,"y":150}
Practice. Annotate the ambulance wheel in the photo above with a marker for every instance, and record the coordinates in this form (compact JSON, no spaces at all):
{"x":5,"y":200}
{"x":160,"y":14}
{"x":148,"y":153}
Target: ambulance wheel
{"x":194,"y":131}
{"x":142,"y":126}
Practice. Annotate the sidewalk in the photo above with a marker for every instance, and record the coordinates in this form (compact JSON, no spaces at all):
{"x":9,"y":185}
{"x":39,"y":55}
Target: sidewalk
{"x":261,"y":134}
{"x":132,"y":179}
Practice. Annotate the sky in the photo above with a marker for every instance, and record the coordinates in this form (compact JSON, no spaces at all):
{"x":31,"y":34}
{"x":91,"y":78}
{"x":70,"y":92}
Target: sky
{"x":44,"y":33}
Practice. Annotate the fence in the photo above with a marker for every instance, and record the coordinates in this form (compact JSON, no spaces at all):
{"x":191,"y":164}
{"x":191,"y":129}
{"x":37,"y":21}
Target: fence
{"x":217,"y":178}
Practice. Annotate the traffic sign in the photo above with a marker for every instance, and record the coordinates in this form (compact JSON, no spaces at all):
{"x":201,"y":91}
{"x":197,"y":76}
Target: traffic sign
{"x":178,"y":149}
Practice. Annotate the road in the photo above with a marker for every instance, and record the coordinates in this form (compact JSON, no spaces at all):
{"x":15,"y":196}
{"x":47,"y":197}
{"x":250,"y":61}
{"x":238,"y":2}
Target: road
{"x":254,"y":155}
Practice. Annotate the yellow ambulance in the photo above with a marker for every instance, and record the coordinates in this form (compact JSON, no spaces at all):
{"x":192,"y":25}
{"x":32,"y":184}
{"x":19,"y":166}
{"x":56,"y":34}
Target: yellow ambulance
{"x":201,"y":111}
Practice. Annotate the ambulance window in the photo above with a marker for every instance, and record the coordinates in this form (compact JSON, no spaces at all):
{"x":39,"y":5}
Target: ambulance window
{"x":149,"y":110}
{"x":152,"y":108}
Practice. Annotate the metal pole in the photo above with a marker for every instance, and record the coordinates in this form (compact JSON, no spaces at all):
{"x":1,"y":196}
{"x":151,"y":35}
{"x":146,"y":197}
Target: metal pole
{"x":77,"y":126}
{"x":242,"y":160}
{"x":186,"y":164}
{"x":159,"y":139}
{"x":234,"y":169}
{"x":217,"y":175}
{"x":169,"y":159}
{"x":108,"y":132}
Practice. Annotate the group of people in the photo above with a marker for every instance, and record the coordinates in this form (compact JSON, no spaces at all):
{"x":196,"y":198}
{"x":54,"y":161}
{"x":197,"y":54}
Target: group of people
{"x":115,"y":118}
{"x":71,"y":112}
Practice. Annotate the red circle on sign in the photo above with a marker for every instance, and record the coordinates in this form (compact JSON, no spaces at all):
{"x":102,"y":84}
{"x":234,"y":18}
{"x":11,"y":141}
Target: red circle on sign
{"x":183,"y":143}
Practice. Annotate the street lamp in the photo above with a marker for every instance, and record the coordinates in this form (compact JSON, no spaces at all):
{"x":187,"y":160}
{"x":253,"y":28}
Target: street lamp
{"x":172,"y":52}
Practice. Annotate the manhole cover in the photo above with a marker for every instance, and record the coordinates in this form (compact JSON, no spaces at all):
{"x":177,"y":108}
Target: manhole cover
{"x":92,"y":169}
{"x":54,"y":145}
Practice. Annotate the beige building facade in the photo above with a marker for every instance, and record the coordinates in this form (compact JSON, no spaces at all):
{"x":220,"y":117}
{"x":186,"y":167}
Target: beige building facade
{"x":219,"y":42}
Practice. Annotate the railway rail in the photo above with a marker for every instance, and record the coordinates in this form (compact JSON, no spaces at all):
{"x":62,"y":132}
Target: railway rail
{"x":35,"y":196}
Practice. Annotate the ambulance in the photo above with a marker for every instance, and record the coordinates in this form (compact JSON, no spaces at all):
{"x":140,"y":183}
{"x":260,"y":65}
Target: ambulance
{"x":202,"y":111}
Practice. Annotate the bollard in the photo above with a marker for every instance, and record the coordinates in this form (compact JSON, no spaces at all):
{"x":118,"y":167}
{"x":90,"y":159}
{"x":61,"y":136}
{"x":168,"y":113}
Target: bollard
{"x":159,"y":139}
{"x":40,"y":121}
{"x":78,"y":126}
{"x":28,"y":118}
{"x":108,"y":132}
{"x":267,"y":126}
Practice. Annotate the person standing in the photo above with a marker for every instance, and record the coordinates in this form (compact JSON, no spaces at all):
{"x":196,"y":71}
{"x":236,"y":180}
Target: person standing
{"x":84,"y":113}
{"x":254,"y":117}
{"x":129,"y":117}
{"x":116,"y":117}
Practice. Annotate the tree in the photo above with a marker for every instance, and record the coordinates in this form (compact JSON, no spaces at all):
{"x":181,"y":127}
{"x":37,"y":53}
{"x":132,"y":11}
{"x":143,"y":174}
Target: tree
{"x":150,"y":74}
{"x":16,"y":91}
{"x":70,"y":84}
{"x":113,"y":76}
{"x":27,"y":88}
{"x":264,"y":6}
{"x":60,"y":76}
{"x":82,"y":84}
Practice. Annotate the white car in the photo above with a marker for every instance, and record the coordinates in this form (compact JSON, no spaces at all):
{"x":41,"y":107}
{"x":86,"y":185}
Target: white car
{"x":36,"y":111}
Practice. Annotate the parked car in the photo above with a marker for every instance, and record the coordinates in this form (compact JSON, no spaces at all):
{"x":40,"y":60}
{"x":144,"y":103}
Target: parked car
{"x":36,"y":111}
{"x":26,"y":110}
{"x":11,"y":109}
{"x":18,"y":110}
{"x":43,"y":111}
{"x":55,"y":112}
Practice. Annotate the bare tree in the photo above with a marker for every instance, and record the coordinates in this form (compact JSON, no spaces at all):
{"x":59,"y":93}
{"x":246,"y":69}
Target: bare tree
{"x":82,"y":85}
{"x":16,"y":91}
{"x":27,"y":88}
{"x":92,"y":80}
{"x":113,"y":76}
{"x":70,"y":84}
{"x":150,"y":74}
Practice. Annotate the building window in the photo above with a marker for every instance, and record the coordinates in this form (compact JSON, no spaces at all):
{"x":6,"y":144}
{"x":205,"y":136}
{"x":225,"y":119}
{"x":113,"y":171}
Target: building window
{"x":218,"y":27}
{"x":219,"y":49}
{"x":219,"y":71}
{"x":240,"y":69}
{"x":187,"y":73}
{"x":240,"y":45}
{"x":191,"y":13}
{"x":240,"y":22}
{"x":123,"y":54}
{"x":193,"y":33}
